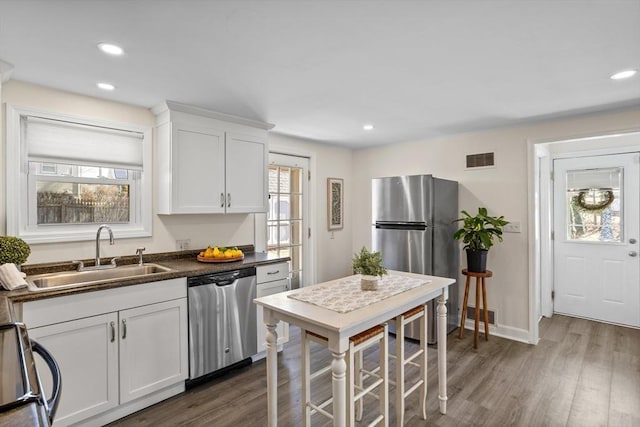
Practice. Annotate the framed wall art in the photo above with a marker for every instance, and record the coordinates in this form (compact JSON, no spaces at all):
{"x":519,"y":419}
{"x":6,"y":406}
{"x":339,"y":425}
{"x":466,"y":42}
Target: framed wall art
{"x":335,"y":203}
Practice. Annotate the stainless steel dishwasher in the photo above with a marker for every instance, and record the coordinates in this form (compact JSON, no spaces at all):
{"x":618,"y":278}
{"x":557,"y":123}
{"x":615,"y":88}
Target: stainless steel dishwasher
{"x":222,"y":321}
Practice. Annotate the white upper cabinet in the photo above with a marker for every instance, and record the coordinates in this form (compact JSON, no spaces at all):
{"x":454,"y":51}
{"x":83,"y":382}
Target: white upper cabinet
{"x":208,"y":162}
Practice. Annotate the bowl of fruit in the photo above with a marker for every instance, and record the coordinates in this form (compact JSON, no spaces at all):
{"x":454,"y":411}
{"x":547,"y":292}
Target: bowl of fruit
{"x":220,"y":254}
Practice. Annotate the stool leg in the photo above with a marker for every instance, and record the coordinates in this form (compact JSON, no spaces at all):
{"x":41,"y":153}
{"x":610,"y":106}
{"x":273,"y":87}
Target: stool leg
{"x":352,"y":359}
{"x":485,"y":310}
{"x":384,"y":372}
{"x":399,"y":370}
{"x":477,"y":317}
{"x":358,"y":382}
{"x":464,"y":307}
{"x":306,"y":382}
{"x":423,"y":363}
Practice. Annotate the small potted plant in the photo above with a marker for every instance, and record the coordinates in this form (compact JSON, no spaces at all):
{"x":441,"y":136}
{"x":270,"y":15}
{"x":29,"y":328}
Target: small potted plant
{"x":369,"y":265}
{"x":14,"y":250}
{"x":478,"y":233}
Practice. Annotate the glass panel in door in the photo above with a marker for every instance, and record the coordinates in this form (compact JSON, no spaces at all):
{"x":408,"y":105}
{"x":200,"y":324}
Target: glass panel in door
{"x":284,"y":221}
{"x":594,"y":205}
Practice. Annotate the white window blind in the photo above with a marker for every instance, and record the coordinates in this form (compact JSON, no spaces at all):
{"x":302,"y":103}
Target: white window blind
{"x":56,"y":141}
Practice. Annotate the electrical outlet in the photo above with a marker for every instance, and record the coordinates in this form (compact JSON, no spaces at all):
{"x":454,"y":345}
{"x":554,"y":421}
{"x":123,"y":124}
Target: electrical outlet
{"x":512,"y":227}
{"x":183,"y":244}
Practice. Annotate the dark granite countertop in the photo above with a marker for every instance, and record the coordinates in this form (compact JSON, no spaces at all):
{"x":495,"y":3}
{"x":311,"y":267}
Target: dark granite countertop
{"x":183,"y":264}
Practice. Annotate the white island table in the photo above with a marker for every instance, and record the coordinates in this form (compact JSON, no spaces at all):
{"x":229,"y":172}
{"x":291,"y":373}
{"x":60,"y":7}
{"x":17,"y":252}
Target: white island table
{"x":339,"y":326}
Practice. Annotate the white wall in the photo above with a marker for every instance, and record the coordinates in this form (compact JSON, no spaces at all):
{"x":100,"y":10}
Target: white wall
{"x":502,"y":189}
{"x":234,"y":229}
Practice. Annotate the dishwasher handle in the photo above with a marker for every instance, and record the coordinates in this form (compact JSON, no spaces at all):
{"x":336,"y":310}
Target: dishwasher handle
{"x":225,"y":282}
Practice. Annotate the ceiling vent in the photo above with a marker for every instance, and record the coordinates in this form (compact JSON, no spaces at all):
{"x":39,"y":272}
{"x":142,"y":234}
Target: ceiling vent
{"x":480,"y":160}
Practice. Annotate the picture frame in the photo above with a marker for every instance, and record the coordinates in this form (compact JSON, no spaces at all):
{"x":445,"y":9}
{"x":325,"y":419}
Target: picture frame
{"x":335,"y":203}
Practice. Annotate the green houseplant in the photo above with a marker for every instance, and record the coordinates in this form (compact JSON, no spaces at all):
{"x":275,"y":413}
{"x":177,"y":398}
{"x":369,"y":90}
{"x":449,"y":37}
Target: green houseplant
{"x":369,"y":264}
{"x":478,"y":233}
{"x":13,"y":249}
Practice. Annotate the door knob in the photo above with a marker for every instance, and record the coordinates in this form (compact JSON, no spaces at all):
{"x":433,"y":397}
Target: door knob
{"x":632,"y":241}
{"x":633,"y":253}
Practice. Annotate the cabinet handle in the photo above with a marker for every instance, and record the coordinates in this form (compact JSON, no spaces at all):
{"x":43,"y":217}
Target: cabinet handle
{"x":113,"y":331}
{"x":124,"y":328}
{"x":228,"y":200}
{"x":273,"y":272}
{"x":222,"y":200}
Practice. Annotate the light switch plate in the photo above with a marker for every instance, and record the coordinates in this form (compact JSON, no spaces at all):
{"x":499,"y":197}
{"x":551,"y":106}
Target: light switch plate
{"x":512,"y":227}
{"x":183,"y":244}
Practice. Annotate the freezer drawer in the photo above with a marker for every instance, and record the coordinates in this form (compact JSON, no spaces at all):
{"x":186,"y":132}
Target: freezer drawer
{"x":404,"y":249}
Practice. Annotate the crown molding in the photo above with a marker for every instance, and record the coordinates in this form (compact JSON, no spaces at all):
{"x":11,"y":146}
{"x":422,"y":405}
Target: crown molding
{"x":189,"y":109}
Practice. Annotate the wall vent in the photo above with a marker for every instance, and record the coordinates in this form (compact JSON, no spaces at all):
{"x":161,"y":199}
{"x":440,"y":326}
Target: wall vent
{"x":480,"y":160}
{"x":471,"y":314}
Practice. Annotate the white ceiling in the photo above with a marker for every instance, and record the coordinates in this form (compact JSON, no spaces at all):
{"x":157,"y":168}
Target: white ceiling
{"x":322,"y":69}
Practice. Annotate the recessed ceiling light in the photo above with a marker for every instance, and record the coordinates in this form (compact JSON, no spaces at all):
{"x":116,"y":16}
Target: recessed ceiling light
{"x":111,"y":49}
{"x":367,"y":127}
{"x":623,"y":74}
{"x":106,"y":86}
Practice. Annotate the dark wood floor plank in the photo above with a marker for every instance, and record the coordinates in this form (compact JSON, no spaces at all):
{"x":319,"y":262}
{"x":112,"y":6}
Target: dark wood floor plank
{"x":582,"y":373}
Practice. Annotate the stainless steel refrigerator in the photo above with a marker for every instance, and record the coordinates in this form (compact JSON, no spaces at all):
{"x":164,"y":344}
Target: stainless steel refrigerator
{"x":413,"y":229}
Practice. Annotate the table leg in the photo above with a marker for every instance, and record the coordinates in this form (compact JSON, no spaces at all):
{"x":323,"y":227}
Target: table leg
{"x":339,"y":387}
{"x":272,"y":373}
{"x":442,"y":353}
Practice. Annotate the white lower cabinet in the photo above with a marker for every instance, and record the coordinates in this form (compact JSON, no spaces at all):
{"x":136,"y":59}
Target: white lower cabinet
{"x":88,"y":361}
{"x":271,"y":279}
{"x":152,"y":348}
{"x":113,"y":363}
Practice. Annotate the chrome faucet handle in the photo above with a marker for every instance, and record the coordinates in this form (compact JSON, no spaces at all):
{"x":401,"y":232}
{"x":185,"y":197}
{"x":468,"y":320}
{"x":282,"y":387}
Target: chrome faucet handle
{"x":139,"y":252}
{"x":113,"y":261}
{"x":80,"y":265}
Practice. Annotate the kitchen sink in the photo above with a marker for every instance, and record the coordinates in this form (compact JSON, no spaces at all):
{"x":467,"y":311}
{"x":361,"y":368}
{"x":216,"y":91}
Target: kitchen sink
{"x":76,"y":278}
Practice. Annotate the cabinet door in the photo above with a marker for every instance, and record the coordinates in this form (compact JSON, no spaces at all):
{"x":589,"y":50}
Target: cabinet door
{"x":246,"y":173}
{"x":153,"y":348}
{"x":197,"y":170}
{"x":87,"y":352}
{"x":262,"y":290}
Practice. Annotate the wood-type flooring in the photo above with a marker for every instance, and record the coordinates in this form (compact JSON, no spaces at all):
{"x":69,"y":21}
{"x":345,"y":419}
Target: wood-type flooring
{"x":582,"y":373}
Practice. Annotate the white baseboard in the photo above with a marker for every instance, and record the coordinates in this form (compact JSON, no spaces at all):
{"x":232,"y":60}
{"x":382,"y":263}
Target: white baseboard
{"x":508,"y":332}
{"x":134,"y":406}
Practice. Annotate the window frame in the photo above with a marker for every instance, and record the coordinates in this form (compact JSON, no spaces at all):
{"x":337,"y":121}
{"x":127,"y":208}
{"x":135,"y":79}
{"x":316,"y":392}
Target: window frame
{"x":18,"y":184}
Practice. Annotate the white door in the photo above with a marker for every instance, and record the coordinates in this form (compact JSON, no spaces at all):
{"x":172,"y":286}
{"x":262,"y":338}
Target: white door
{"x":153,"y":348}
{"x":288,"y":225}
{"x":87,"y":353}
{"x":245,"y":173}
{"x":596,"y":224}
{"x":197,"y":170}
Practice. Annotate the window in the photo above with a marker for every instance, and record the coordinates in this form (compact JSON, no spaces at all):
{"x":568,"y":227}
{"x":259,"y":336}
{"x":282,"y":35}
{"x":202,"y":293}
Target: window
{"x":69,"y":175}
{"x":594,"y":205}
{"x":285,"y":217}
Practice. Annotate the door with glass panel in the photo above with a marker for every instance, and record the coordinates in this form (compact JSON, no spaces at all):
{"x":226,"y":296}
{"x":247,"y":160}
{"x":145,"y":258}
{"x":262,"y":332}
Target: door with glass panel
{"x":288,"y":231}
{"x":596,"y":224}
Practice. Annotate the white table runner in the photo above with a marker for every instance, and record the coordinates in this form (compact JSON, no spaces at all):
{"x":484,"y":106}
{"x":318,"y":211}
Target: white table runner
{"x":344,"y":295}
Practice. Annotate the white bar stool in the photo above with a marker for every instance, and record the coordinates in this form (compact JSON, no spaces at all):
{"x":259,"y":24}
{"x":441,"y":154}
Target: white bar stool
{"x":356,"y":376}
{"x":403,"y":360}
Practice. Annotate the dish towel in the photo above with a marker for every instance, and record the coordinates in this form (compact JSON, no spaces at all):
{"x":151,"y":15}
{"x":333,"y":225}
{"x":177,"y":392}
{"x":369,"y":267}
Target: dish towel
{"x":11,"y":278}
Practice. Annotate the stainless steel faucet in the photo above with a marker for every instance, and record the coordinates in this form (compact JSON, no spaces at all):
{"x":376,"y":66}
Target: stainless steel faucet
{"x":139,"y":252}
{"x":111,"y":241}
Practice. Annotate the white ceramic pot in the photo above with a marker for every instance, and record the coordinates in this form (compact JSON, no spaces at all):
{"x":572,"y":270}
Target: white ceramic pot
{"x":369,"y":283}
